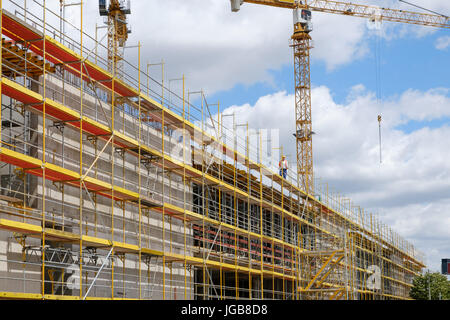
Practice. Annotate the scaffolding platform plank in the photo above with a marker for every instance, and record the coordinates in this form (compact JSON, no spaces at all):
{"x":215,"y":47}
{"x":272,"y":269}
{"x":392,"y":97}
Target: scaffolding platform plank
{"x":149,"y":202}
{"x":94,"y":128}
{"x":60,"y":297}
{"x":19,"y":31}
{"x":152,"y":252}
{"x":20,"y":296}
{"x":124,"y":141}
{"x":95,"y":242}
{"x":20,"y":227}
{"x":19,"y":92}
{"x":176,"y":212}
{"x":60,"y":236}
{"x":58,"y":174}
{"x":121,"y":247}
{"x":19,"y":160}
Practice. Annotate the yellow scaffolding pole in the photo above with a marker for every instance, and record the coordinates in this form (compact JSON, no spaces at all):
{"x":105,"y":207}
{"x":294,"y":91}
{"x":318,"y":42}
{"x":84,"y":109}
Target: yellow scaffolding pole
{"x":81,"y":154}
{"x":139,"y":171}
{"x":43,"y":156}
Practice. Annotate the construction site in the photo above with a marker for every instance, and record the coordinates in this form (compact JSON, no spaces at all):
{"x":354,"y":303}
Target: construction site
{"x":114,"y":187}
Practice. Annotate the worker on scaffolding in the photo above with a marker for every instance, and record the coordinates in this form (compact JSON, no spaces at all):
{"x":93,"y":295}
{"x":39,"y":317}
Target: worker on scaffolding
{"x":283,"y":166}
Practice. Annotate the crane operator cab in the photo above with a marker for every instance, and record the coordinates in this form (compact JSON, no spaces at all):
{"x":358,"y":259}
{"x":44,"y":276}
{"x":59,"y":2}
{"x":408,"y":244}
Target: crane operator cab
{"x":302,"y":20}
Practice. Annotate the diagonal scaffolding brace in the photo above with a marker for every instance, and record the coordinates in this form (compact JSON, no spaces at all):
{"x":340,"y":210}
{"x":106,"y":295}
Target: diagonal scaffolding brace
{"x":98,"y":273}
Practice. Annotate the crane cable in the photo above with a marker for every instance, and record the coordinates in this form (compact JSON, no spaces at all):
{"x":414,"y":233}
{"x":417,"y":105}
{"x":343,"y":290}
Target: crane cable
{"x":378,"y":68}
{"x":379,"y":130}
{"x":378,"y":80}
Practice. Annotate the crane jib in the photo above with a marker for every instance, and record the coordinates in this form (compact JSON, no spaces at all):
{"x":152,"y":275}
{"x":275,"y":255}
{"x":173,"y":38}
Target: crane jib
{"x":358,"y":10}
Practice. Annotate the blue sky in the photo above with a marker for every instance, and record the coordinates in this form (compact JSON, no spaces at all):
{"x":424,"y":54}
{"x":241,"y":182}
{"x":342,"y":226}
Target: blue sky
{"x":410,"y":62}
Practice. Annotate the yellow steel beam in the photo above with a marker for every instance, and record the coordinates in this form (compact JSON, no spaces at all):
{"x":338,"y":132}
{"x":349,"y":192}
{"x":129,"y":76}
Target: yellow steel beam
{"x":337,"y":294}
{"x":313,"y":280}
{"x":324,"y":277}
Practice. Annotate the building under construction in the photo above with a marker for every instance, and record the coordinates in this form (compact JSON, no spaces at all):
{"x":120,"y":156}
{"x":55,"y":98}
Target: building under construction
{"x":103,"y":198}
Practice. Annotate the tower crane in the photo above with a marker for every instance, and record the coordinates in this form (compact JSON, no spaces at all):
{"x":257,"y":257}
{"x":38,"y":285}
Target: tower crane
{"x":118,"y":30}
{"x":302,"y":44}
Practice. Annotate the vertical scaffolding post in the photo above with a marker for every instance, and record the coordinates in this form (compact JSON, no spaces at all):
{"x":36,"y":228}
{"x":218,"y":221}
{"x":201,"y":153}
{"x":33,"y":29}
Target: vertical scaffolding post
{"x":113,"y":62}
{"x":139,"y":169}
{"x":162,"y":63}
{"x":81,"y":151}
{"x":163,"y":204}
{"x":261,"y":223}
{"x":162,"y":82}
{"x":236,"y":244}
{"x":184,"y":135}
{"x":43,"y":155}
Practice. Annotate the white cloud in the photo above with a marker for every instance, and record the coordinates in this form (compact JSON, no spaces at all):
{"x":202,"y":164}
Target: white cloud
{"x":443,"y":43}
{"x":338,"y":40}
{"x":411,"y":189}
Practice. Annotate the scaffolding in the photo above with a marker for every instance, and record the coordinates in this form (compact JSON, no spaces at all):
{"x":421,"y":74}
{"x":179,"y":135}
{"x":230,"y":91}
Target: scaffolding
{"x":114,"y":187}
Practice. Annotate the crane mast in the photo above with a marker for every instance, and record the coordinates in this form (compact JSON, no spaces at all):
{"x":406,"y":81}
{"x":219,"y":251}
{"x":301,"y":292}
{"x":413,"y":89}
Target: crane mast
{"x":301,"y":43}
{"x":116,"y":12}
